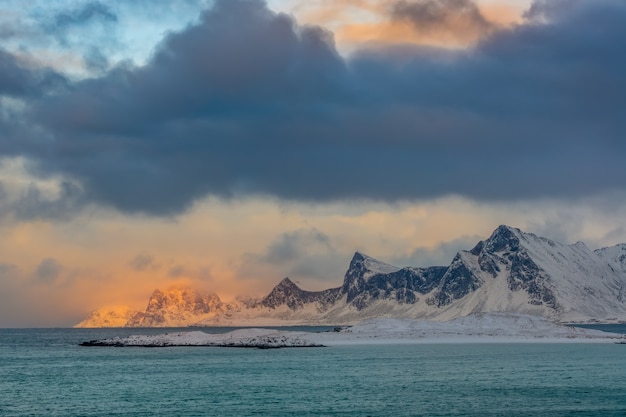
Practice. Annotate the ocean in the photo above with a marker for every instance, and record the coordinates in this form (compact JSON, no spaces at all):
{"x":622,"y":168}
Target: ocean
{"x":43,"y":372}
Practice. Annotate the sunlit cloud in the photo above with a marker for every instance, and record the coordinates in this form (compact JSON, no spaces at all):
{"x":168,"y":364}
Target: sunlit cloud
{"x":358,"y":23}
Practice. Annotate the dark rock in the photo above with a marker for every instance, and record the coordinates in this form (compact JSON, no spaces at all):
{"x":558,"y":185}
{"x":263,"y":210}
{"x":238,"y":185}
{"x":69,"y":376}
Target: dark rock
{"x":288,"y":293}
{"x":457,"y":282}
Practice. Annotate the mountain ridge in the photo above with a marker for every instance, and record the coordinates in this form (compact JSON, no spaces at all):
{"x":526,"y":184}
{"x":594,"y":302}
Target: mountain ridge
{"x":510,"y":271}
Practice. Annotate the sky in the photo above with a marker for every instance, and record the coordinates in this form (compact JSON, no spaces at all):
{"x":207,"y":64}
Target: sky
{"x":227,"y":144}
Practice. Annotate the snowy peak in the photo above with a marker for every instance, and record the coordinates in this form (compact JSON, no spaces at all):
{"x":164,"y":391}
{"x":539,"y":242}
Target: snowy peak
{"x":504,"y":238}
{"x":289,"y":294}
{"x":511,"y":239}
{"x":366,"y":266}
{"x":458,"y":280}
{"x":562,"y":280}
{"x":373,"y":265}
{"x":286,"y":292}
{"x":615,"y":256}
{"x":286,"y":285}
{"x":368,"y":280}
{"x":511,"y":253}
{"x":110,"y":317}
{"x":361,"y":269}
{"x":176,"y":307}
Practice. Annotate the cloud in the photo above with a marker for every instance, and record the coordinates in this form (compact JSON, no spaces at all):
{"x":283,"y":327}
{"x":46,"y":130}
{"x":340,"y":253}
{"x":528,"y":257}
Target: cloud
{"x":454,"y":19}
{"x":440,"y":255}
{"x":93,"y":11}
{"x":33,"y":204}
{"x":87,"y":28}
{"x":7,"y":270}
{"x":27,"y":197}
{"x":292,"y":245}
{"x":247,"y":102}
{"x":176,"y":271}
{"x":304,"y":254}
{"x":18,"y":80}
{"x":617,"y":235}
{"x":48,"y":271}
{"x":143,"y":262}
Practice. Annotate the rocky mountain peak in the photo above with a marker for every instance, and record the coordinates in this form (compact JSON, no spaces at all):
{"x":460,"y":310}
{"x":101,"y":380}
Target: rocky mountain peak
{"x":286,"y":292}
{"x":182,"y":298}
{"x":503,"y":239}
{"x":177,"y":306}
{"x":361,"y":269}
{"x":355,"y":276}
{"x":615,"y":256}
{"x":287,"y":283}
{"x":458,"y":280}
{"x":110,"y":317}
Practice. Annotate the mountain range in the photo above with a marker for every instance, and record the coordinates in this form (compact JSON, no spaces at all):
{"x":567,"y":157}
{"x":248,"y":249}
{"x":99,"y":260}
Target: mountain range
{"x":511,"y":271}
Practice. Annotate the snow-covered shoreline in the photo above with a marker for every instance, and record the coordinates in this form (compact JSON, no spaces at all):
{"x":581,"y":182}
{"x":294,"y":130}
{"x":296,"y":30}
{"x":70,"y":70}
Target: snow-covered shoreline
{"x":479,"y":328}
{"x":259,"y":338}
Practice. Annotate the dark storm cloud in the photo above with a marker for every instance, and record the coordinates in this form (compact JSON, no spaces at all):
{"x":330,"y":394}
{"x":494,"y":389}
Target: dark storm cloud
{"x":18,"y":80}
{"x":33,"y":204}
{"x":248,"y":102}
{"x":95,"y":60}
{"x":19,"y":84}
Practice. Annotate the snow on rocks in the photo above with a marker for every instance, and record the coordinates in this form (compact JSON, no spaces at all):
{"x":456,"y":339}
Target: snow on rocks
{"x":244,"y":338}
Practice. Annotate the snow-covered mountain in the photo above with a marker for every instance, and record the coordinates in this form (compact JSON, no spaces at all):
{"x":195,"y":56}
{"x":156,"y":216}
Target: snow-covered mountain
{"x":111,"y":317}
{"x":172,"y":308}
{"x":178,"y":307}
{"x":615,"y":256}
{"x":511,"y":271}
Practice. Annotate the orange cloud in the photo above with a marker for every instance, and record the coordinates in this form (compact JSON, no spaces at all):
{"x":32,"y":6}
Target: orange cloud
{"x":503,"y":14}
{"x":358,"y":22}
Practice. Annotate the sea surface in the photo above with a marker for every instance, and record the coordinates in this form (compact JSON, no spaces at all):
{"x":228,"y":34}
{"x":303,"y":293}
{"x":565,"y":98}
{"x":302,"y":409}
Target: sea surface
{"x":43,"y":372}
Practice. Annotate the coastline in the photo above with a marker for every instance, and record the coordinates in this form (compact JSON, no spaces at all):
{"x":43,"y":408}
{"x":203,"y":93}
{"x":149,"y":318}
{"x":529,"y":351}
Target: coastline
{"x":480,"y":328}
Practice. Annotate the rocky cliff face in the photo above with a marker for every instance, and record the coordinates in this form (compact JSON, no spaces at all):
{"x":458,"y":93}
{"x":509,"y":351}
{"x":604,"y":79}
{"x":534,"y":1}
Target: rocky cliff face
{"x":368,"y":280}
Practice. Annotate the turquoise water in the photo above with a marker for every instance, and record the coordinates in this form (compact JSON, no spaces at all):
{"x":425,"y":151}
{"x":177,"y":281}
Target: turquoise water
{"x":45,"y":373}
